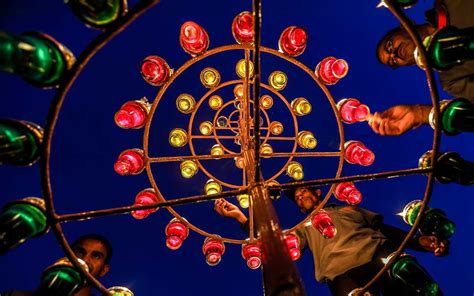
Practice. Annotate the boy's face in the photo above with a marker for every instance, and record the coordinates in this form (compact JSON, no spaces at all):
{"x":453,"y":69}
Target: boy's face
{"x":94,"y":253}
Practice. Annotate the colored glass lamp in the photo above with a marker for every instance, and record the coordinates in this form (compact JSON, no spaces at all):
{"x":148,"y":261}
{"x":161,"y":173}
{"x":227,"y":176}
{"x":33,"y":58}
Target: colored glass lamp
{"x":295,"y":170}
{"x":133,"y":114}
{"x":357,"y":153}
{"x":266,"y":150}
{"x":20,"y":142}
{"x":244,"y":200}
{"x":145,"y":197}
{"x":407,"y":273}
{"x":185,"y":103}
{"x":405,"y":3}
{"x":330,"y":70}
{"x":130,"y":162}
{"x":266,"y":102}
{"x":240,"y":69}
{"x":188,"y":168}
{"x":217,"y":150}
{"x":36,"y":57}
{"x":347,"y":192}
{"x":210,"y":77}
{"x":178,"y":137}
{"x":301,"y":106}
{"x":449,"y":47}
{"x":193,"y":38}
{"x":212,"y":187}
{"x":451,"y":168}
{"x":215,"y":102}
{"x":293,"y":245}
{"x":213,"y":249}
{"x":120,"y":291}
{"x":62,"y":278}
{"x":98,"y":14}
{"x":322,"y":222}
{"x":353,"y":111}
{"x":252,"y":254}
{"x":307,"y":140}
{"x":176,"y":232}
{"x":293,"y":41}
{"x":276,"y":128}
{"x":457,"y":116}
{"x":242,"y":28}
{"x":278,"y":80}
{"x":21,"y":220}
{"x":434,"y":221}
{"x":155,"y":71}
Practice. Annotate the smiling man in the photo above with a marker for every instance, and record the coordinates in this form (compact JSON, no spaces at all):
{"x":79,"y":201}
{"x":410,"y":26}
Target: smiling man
{"x":396,"y":49}
{"x":351,"y":258}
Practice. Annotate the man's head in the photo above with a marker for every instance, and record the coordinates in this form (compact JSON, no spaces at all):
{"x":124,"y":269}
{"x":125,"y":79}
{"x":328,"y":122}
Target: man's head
{"x":306,"y":198}
{"x":96,"y":251}
{"x":396,"y":48}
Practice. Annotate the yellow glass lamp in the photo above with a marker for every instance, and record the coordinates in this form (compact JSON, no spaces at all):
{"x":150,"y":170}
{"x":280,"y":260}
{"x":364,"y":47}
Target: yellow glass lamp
{"x":307,"y":140}
{"x":178,"y":137}
{"x":188,"y":168}
{"x":266,"y":102}
{"x":295,"y":170}
{"x":212,"y":187}
{"x":240,"y":69}
{"x":244,"y":200}
{"x":217,"y":150}
{"x":301,"y":106}
{"x":185,"y":103}
{"x":277,"y":80}
{"x":205,"y":128}
{"x":210,"y":77}
{"x":266,"y":150}
{"x":215,"y":102}
{"x":276,"y":128}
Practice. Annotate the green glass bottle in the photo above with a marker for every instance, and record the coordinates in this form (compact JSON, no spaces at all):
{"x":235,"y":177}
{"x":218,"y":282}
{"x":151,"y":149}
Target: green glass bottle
{"x":98,"y":14}
{"x":450,"y":46}
{"x":36,"y":57}
{"x":412,"y":277}
{"x":20,"y":142}
{"x":61,"y":279}
{"x":21,"y":220}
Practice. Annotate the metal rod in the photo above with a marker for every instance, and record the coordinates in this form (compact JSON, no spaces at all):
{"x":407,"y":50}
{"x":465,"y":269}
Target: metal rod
{"x":128,"y":209}
{"x":191,"y":157}
{"x":305,"y":154}
{"x":356,"y":178}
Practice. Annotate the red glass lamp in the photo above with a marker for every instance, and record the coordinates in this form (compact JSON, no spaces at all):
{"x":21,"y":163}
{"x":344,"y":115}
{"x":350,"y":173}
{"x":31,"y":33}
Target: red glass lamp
{"x":193,"y":38}
{"x":331,"y":70}
{"x":293,"y":245}
{"x":242,"y":28}
{"x":348,"y":192}
{"x":213,"y":249}
{"x":252,"y":254}
{"x":145,"y":197}
{"x":176,"y":232}
{"x":323,"y":223}
{"x":353,"y":111}
{"x":155,"y":70}
{"x":357,"y":153}
{"x":130,"y":162}
{"x":293,"y":41}
{"x":133,"y":114}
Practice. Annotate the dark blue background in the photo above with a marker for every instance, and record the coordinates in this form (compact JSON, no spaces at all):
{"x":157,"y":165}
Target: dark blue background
{"x":87,"y":142}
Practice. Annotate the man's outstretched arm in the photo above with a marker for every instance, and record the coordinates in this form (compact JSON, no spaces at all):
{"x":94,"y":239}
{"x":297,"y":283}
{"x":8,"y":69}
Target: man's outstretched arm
{"x":399,"y":119}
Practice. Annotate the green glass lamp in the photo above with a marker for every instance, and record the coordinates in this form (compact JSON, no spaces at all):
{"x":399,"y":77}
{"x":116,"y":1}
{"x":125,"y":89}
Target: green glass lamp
{"x":21,"y":220}
{"x":20,"y":142}
{"x":36,"y":57}
{"x":61,"y":279}
{"x":98,"y":14}
{"x":451,"y":168}
{"x":457,"y":116}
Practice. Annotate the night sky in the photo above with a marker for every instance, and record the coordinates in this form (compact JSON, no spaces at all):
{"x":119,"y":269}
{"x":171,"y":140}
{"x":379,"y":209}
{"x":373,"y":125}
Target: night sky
{"x":87,"y":142}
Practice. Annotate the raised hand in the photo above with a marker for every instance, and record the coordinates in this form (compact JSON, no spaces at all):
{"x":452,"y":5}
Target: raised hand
{"x":229,"y":210}
{"x":433,"y":244}
{"x":397,"y":120}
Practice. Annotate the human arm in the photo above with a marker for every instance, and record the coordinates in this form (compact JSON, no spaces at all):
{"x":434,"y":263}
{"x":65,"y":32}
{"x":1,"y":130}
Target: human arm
{"x":399,"y":119}
{"x":229,"y":210}
{"x":423,"y":243}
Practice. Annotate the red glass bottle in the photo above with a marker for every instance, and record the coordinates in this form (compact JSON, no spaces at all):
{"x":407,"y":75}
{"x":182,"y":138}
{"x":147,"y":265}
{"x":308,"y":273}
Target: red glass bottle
{"x":348,"y":192}
{"x":293,"y":41}
{"x":357,"y":153}
{"x":130,"y":162}
{"x":353,"y":111}
{"x":242,"y":28}
{"x":155,"y":70}
{"x":145,"y":197}
{"x":331,"y":69}
{"x":176,"y":232}
{"x":193,"y":38}
{"x":213,"y":249}
{"x":252,"y":254}
{"x":132,"y":114}
{"x":293,"y":245}
{"x":323,"y":223}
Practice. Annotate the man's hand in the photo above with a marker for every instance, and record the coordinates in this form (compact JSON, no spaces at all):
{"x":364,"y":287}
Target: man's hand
{"x":433,"y":244}
{"x":227,"y":209}
{"x":399,"y":119}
